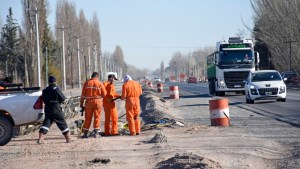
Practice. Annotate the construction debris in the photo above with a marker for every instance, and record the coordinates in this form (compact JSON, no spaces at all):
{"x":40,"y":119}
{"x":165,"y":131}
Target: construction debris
{"x":188,"y":160}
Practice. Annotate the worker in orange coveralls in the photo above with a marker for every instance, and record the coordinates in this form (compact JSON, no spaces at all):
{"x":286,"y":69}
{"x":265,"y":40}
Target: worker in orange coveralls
{"x":131,"y":91}
{"x":92,"y":91}
{"x":110,"y":108}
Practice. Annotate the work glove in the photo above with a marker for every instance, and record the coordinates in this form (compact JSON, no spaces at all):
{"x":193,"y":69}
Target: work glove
{"x":82,"y":110}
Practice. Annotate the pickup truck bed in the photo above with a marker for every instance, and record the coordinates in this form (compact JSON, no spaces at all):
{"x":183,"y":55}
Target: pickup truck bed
{"x":19,"y":106}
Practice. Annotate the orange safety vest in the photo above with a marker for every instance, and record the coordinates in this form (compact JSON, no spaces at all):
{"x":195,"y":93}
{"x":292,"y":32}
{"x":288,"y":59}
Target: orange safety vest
{"x":131,"y":89}
{"x":92,"y":89}
{"x":111,"y":92}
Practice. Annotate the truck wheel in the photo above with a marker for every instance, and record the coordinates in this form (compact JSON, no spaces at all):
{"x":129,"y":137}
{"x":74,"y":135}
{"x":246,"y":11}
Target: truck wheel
{"x":213,"y":89}
{"x":248,"y":99}
{"x":281,"y":100}
{"x":210,"y":87}
{"x":6,"y":130}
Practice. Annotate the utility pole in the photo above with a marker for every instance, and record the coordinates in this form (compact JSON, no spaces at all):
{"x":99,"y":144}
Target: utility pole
{"x":95,"y":57}
{"x":86,"y":76}
{"x":101,"y":65}
{"x":37,"y":47}
{"x":89,"y":60}
{"x":105,"y":67}
{"x":64,"y":59}
{"x":89,"y":57}
{"x":6,"y":68}
{"x":46,"y":66}
{"x":290,"y":42}
{"x":78,"y":59}
{"x":72,"y":84}
{"x":290,"y":56}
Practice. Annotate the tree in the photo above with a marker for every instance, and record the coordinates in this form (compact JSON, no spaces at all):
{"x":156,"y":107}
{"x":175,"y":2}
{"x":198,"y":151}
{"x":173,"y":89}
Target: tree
{"x":51,"y":49}
{"x":118,"y":60}
{"x":9,"y":43}
{"x":29,"y":35}
{"x":88,"y":34}
{"x":276,"y":24}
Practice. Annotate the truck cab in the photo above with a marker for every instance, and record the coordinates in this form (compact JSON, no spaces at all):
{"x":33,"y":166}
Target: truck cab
{"x":230,"y":65}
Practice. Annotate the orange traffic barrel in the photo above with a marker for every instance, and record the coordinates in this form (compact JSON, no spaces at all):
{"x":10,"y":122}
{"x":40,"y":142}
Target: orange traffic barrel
{"x":174,"y":92}
{"x":150,"y":84}
{"x":219,"y":112}
{"x":160,"y":87}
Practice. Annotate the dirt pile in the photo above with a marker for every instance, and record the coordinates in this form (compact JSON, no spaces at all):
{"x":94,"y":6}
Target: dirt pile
{"x":155,"y":109}
{"x":188,"y":160}
{"x":158,"y":138}
{"x":96,"y":162}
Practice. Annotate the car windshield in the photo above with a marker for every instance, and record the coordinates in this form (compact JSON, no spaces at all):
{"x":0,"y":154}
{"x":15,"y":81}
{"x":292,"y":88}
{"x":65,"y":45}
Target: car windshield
{"x":265,"y":76}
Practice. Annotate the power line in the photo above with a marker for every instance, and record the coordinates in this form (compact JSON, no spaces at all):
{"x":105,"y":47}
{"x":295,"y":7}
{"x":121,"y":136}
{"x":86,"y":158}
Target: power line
{"x":149,"y":46}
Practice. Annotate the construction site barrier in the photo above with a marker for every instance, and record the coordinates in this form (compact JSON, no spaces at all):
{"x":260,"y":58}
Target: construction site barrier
{"x":150,"y":84}
{"x":219,"y":112}
{"x":174,"y":92}
{"x":160,"y":87}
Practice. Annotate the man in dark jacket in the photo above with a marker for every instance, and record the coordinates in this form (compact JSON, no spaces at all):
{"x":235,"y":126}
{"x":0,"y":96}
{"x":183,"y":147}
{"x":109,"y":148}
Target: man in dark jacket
{"x":53,"y":97}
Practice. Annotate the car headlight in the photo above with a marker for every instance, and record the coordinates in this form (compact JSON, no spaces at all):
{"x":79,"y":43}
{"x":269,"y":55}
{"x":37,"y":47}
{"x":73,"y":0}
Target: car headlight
{"x":222,"y":82}
{"x":282,"y":88}
{"x":253,"y":90}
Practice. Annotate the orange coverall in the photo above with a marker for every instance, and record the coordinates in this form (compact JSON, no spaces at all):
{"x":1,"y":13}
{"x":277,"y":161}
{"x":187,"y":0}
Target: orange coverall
{"x":110,"y":109}
{"x":131,"y":91}
{"x":92,"y":91}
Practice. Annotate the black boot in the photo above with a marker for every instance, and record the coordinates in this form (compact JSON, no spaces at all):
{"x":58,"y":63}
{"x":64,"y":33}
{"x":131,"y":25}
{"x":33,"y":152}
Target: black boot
{"x":85,"y":134}
{"x":96,"y":133}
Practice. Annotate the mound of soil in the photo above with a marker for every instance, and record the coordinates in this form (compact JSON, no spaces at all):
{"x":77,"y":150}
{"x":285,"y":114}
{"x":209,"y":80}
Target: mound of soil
{"x":158,"y":138}
{"x":155,"y":108}
{"x":187,"y":161}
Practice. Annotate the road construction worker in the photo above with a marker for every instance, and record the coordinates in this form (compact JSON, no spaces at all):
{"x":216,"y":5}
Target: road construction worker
{"x":53,"y":98}
{"x":131,"y":91}
{"x":110,"y":107}
{"x":92,"y":92}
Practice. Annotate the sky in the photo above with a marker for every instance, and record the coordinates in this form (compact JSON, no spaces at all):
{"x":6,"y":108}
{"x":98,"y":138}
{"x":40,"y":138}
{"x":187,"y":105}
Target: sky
{"x":151,"y":31}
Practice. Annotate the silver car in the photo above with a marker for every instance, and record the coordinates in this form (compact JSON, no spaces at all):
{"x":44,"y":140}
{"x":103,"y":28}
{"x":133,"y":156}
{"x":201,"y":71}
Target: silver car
{"x":264,"y":85}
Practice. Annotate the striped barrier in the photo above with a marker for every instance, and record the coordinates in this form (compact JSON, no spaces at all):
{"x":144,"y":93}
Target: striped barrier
{"x":160,"y":87}
{"x":219,"y":112}
{"x":174,"y":92}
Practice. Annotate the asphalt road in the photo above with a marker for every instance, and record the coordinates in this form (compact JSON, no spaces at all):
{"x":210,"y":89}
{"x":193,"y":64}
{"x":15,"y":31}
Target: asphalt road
{"x":268,"y":130}
{"x":287,"y":112}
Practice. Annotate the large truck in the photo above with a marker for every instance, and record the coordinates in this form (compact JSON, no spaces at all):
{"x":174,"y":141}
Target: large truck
{"x":230,"y":64}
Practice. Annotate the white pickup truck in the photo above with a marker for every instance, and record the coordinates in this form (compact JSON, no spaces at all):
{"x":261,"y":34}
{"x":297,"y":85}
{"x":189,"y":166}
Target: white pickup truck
{"x":19,"y":106}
